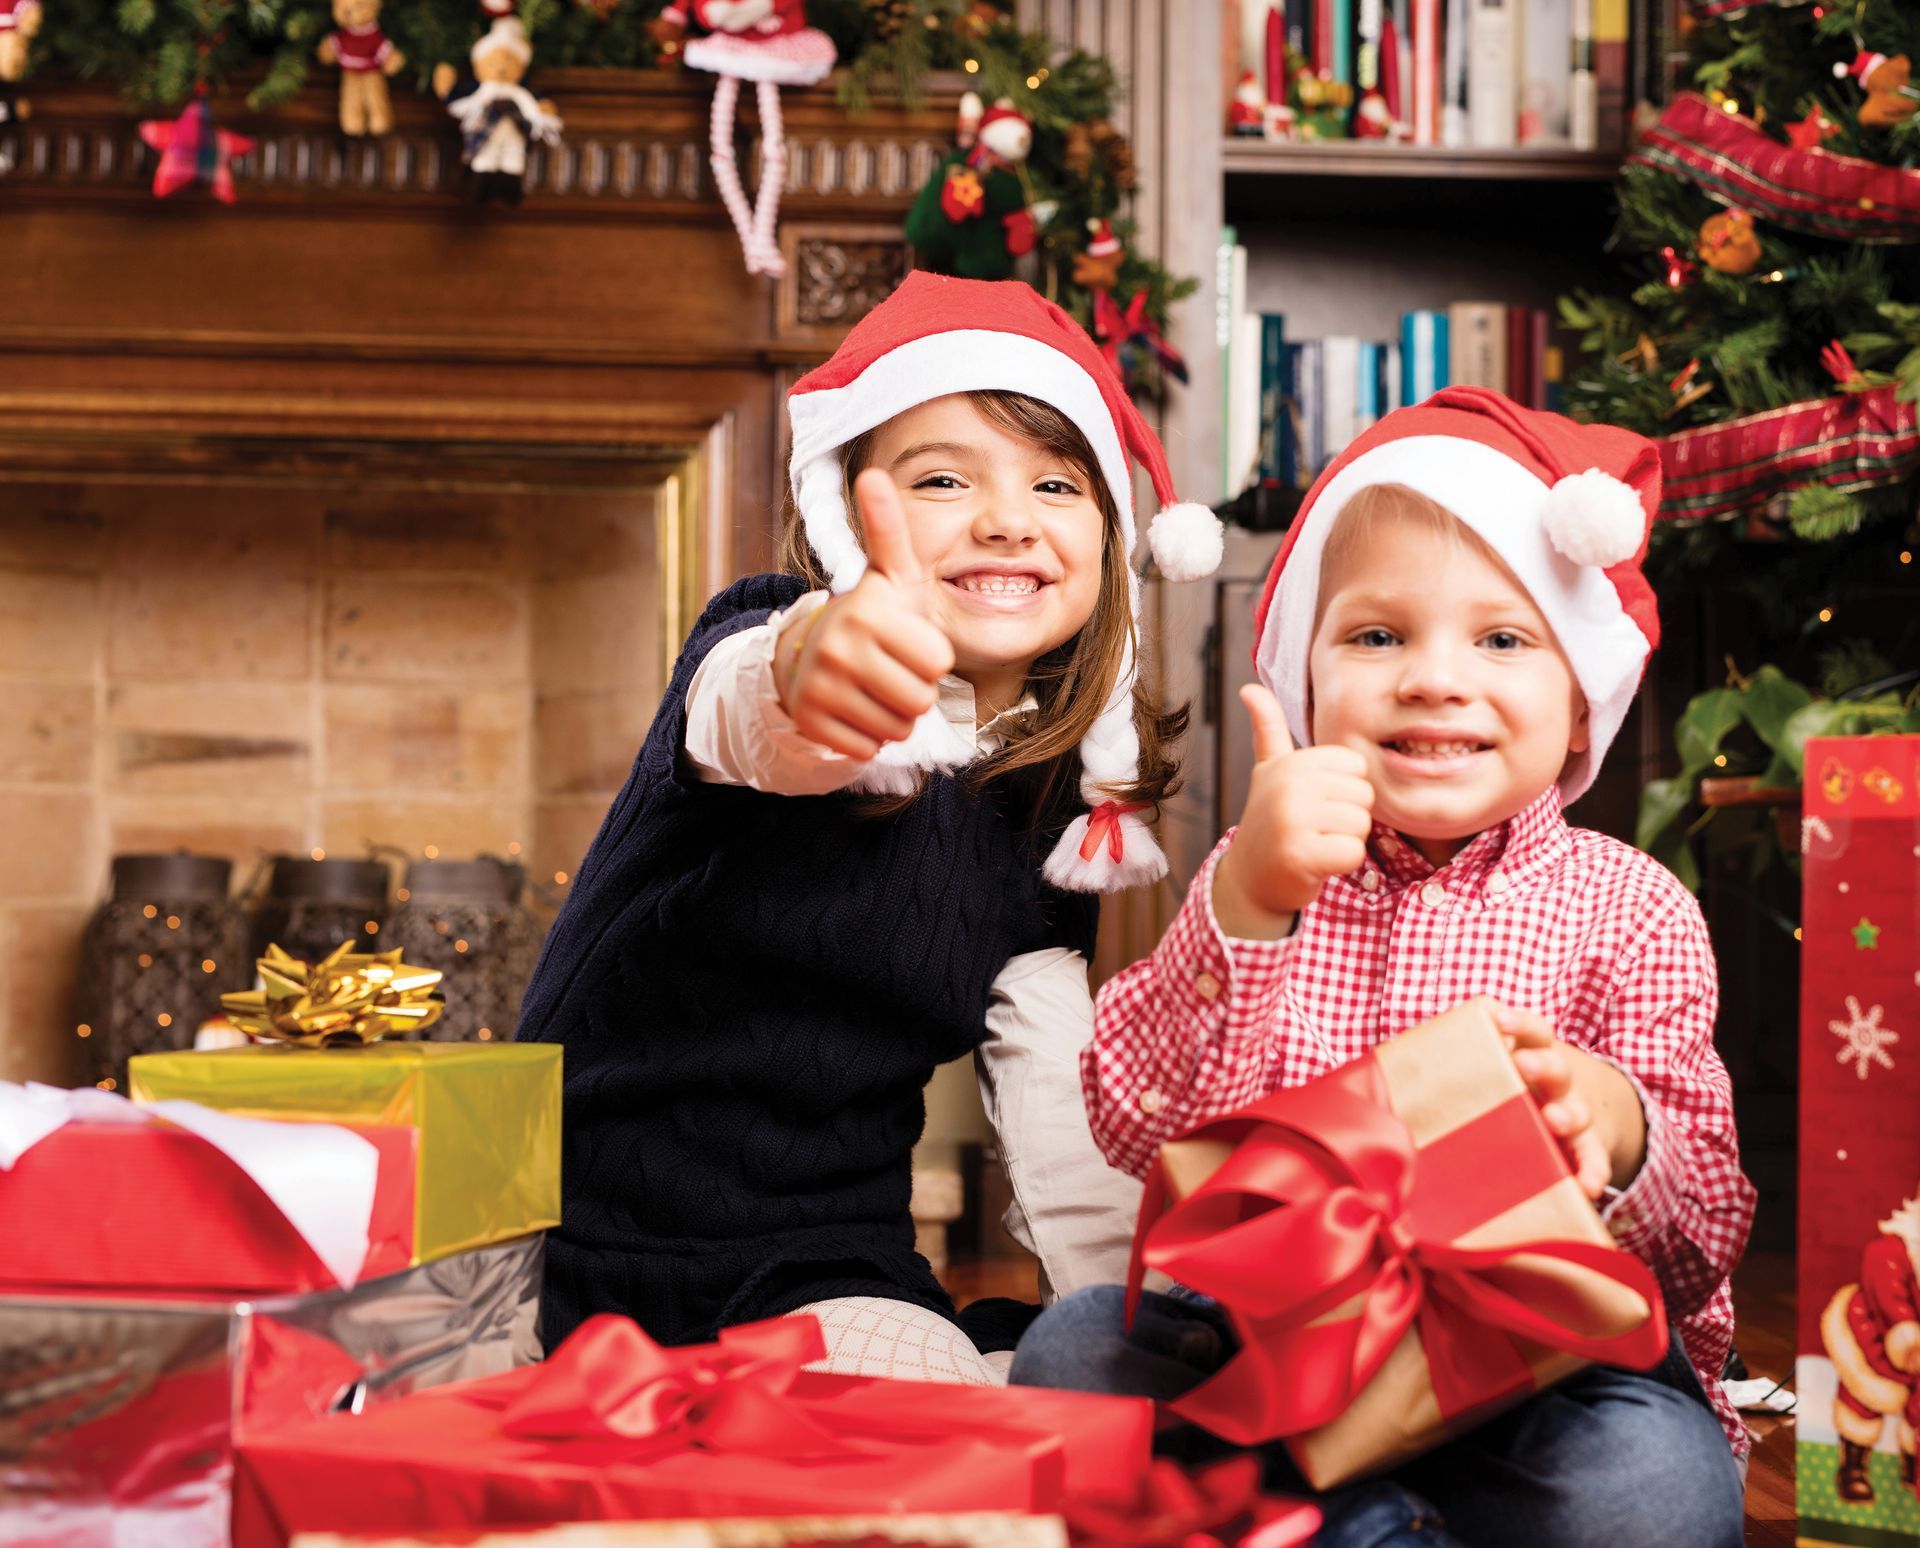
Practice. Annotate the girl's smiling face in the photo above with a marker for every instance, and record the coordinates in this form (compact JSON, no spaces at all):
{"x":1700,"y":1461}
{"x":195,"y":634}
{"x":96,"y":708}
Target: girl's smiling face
{"x":1010,"y":533}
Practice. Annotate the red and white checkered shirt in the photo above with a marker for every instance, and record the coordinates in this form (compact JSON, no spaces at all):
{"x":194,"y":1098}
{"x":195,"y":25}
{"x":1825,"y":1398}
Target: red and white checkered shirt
{"x":1595,"y":935}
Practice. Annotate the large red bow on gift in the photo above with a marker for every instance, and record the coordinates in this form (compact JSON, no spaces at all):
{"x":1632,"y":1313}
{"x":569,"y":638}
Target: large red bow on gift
{"x":610,"y":1379}
{"x":1116,"y":330}
{"x":1311,"y":1210}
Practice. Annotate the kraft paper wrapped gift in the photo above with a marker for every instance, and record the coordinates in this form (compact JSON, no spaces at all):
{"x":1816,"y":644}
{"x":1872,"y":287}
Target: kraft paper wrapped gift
{"x":1401,"y":1249}
{"x":488,"y":1117}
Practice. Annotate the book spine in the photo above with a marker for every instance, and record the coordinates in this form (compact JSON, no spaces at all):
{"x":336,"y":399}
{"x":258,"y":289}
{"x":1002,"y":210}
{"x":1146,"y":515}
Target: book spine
{"x":1224,"y":302}
{"x":1243,"y":422}
{"x":1369,"y":29}
{"x":1343,"y":40}
{"x":1546,"y":46}
{"x":1453,"y":75}
{"x":1611,"y":108}
{"x":1320,"y":39}
{"x":1311,"y":385}
{"x":1540,"y":327}
{"x":1340,"y":390}
{"x":1426,"y":72}
{"x":1292,"y":463}
{"x":1273,"y":398}
{"x":1491,"y":72}
{"x":1422,"y":346}
{"x":1583,"y":122}
{"x":1519,"y":354}
{"x":1477,"y":356}
{"x":1369,"y":378}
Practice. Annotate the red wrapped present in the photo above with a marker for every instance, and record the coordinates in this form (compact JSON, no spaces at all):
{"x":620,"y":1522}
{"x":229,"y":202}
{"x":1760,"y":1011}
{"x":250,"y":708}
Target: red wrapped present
{"x":1219,"y":1507}
{"x":1858,"y":1337}
{"x":97,"y":1194}
{"x":614,"y":1426}
{"x":1401,"y":1250}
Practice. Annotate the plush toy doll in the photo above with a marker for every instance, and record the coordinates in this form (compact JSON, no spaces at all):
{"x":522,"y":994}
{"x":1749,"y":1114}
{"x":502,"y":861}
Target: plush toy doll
{"x":769,"y":43}
{"x":971,"y":219}
{"x":366,"y":58}
{"x":1886,"y":80}
{"x":19,"y":21}
{"x":1247,"y":113}
{"x":498,"y":116}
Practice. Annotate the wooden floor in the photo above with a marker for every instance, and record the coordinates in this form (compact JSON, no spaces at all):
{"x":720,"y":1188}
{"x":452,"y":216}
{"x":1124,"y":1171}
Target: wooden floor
{"x":1763,"y":1307}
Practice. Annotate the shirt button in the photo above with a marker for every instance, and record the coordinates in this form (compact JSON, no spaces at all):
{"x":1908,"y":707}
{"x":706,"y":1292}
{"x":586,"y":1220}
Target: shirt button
{"x":1369,"y":881}
{"x":1496,"y":884}
{"x":1150,"y":1100}
{"x":1206,"y":986}
{"x":1433,"y":894}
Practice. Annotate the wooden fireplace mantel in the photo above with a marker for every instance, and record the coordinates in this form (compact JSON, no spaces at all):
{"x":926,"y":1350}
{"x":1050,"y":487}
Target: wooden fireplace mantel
{"x":613,"y":307}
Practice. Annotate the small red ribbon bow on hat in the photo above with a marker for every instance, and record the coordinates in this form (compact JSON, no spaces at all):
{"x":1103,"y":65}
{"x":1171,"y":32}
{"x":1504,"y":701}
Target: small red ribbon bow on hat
{"x":1103,"y":826}
{"x":1221,"y":1507}
{"x":609,"y":1379}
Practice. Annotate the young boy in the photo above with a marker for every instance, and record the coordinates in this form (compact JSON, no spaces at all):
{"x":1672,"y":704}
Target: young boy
{"x":1452,"y":635}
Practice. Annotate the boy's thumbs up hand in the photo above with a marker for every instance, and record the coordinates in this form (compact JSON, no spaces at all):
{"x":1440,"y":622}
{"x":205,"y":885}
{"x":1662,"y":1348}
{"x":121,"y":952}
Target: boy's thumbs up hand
{"x":861,"y":670}
{"x":1309,"y":811}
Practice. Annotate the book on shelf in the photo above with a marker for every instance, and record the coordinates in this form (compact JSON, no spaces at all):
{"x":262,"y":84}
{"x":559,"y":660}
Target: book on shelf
{"x":1296,"y":403}
{"x":1467,"y":74}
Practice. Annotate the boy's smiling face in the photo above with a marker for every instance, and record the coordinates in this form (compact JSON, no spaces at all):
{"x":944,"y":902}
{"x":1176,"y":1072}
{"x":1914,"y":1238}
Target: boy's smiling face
{"x":1431,"y":661}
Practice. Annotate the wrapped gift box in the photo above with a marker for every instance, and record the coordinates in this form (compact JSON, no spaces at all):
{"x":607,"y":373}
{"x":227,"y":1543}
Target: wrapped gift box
{"x":119,"y":1415}
{"x":488,"y":1117}
{"x":1401,"y":1249}
{"x":964,"y":1529}
{"x":1858,"y":1338}
{"x":614,"y":1427}
{"x":155,"y":1209}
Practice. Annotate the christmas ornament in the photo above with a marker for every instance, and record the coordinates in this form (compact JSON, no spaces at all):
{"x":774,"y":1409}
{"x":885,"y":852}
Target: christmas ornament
{"x":971,"y":218}
{"x":769,"y":43}
{"x":1847,"y":375}
{"x":1728,"y":243}
{"x":1681,"y":270}
{"x":1807,"y":133}
{"x":1686,"y":389}
{"x":1885,"y":79}
{"x":1127,"y":335}
{"x":1247,"y":113}
{"x":978,"y":19}
{"x":1732,"y":160}
{"x":1097,"y":265}
{"x":347,"y":997}
{"x":499,"y":118}
{"x":366,"y":58}
{"x":19,"y":22}
{"x":193,"y":150}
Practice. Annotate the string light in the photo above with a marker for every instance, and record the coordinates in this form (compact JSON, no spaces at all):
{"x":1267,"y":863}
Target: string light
{"x":318,"y":854}
{"x":173,"y":921}
{"x":145,"y":959}
{"x":514,"y":847}
{"x":402,"y":894}
{"x":460,"y":946}
{"x":432,"y":851}
{"x":207,"y":964}
{"x":1906,"y":556}
{"x":150,"y":911}
{"x":1796,"y":932}
{"x":1720,"y":760}
{"x":1731,"y":105}
{"x":1826,"y":615}
{"x":1033,"y":83}
{"x":164,"y":1019}
{"x":108,"y":1084}
{"x":559,"y":878}
{"x":485,"y":1034}
{"x":973,"y":67}
{"x":373,"y":927}
{"x":83,"y":1030}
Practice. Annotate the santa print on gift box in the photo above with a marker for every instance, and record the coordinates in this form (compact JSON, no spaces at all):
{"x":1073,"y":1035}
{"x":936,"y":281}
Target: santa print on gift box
{"x":971,"y":218}
{"x":498,"y":117}
{"x":1871,"y":1332}
{"x":769,"y":43}
{"x":19,"y":21}
{"x":366,"y":58}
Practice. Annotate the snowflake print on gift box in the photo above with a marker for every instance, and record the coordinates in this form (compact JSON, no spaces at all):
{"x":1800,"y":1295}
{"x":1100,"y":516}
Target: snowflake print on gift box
{"x":1866,"y":1039}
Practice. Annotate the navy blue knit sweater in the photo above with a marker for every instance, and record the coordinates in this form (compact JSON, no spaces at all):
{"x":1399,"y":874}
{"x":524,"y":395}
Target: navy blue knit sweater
{"x":753,"y":990}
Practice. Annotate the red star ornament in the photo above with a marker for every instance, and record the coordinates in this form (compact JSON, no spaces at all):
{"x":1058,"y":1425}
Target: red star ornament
{"x":193,"y":150}
{"x":1809,"y":132}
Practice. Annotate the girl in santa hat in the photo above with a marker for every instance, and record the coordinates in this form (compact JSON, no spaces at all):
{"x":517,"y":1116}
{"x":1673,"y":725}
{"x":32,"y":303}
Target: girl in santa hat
{"x":866,"y":834}
{"x":1448,"y":642}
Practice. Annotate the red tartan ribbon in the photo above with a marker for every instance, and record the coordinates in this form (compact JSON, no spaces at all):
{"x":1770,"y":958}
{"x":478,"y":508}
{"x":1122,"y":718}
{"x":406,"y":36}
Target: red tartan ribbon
{"x":1325,"y":1198}
{"x":610,"y":1380}
{"x":1103,"y":827}
{"x":1221,"y":1507}
{"x":1732,"y":159}
{"x":1855,"y":440}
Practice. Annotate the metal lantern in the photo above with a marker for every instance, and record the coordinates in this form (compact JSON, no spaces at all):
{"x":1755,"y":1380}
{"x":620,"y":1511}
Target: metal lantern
{"x":311,"y":906}
{"x":155,"y":958}
{"x":466,"y":918}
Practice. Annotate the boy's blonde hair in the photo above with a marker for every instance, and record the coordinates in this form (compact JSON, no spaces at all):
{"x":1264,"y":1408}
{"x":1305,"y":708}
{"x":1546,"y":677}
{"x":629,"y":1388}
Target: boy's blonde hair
{"x":1361,"y":520}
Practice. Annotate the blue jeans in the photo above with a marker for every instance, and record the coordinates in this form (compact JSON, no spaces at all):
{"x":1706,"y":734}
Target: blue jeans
{"x":1609,"y":1458}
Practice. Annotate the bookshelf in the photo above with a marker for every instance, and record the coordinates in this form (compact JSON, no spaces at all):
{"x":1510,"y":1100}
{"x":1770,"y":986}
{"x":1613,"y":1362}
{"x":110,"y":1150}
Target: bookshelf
{"x":1377,"y":159}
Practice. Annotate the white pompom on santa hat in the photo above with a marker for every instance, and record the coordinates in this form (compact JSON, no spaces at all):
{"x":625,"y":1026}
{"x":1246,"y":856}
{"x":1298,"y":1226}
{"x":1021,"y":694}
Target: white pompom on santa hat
{"x":1567,"y":507}
{"x":935,"y":336}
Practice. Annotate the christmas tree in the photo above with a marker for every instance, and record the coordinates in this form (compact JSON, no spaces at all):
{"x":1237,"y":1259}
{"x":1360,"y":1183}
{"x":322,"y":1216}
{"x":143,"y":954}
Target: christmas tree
{"x":1770,"y":341}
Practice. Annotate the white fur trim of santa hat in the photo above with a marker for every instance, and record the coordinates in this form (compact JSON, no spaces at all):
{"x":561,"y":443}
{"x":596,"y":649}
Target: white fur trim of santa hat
{"x":506,"y":35}
{"x":936,"y":337}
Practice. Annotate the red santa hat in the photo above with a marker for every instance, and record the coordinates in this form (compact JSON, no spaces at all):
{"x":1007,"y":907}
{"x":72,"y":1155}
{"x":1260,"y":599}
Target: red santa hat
{"x":1865,"y":62}
{"x":1103,"y":243}
{"x":1567,"y":507}
{"x":937,"y":335}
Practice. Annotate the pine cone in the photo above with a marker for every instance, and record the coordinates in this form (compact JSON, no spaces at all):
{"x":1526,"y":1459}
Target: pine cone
{"x":889,"y":17}
{"x":1078,"y":154}
{"x":1113,"y":149}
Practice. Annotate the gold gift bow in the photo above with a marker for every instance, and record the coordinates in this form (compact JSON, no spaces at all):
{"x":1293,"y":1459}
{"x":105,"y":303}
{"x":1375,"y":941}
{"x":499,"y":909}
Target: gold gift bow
{"x":347,"y":997}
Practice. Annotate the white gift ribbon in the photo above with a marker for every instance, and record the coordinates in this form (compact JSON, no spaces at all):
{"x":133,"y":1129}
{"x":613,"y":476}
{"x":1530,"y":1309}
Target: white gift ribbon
{"x":320,"y":1176}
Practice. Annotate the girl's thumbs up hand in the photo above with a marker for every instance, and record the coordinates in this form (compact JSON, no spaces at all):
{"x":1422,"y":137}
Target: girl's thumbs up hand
{"x":1309,"y":811}
{"x":859,"y":672}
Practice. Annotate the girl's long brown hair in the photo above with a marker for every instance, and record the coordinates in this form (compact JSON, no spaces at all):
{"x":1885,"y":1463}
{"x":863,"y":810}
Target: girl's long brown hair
{"x":1070,"y":684}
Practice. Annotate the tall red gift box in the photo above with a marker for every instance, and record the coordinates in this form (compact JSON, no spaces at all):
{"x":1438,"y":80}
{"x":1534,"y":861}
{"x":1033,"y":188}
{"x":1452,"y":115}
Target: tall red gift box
{"x":1859,"y":1262}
